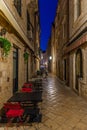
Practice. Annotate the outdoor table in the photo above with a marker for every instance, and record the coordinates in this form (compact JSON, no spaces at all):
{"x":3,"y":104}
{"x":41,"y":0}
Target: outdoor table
{"x":37,"y":88}
{"x":33,"y":79}
{"x":24,"y":97}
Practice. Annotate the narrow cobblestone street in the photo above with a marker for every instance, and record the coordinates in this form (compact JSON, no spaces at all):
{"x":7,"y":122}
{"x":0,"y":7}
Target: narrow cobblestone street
{"x":62,"y":109}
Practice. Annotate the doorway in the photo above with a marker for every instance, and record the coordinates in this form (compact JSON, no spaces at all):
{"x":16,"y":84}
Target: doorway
{"x":78,"y":67}
{"x":15,"y":70}
{"x":27,"y":71}
{"x":65,"y":69}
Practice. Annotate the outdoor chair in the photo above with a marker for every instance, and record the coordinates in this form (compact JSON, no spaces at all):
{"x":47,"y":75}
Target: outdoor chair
{"x":10,"y":112}
{"x":27,"y":85}
{"x":3,"y":118}
{"x":26,"y":89}
{"x":35,"y":118}
{"x":9,"y":105}
{"x":33,"y":114}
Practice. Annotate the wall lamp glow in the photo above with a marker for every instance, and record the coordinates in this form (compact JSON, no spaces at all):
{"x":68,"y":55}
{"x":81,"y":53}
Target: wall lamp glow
{"x":50,"y":58}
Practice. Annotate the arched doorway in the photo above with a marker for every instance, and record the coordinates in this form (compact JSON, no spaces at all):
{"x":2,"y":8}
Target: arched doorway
{"x":78,"y":67}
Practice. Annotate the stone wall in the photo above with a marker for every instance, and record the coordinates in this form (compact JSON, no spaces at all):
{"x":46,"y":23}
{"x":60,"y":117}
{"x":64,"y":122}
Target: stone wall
{"x":6,"y":70}
{"x":61,"y":36}
{"x":16,"y":33}
{"x":76,"y":27}
{"x":21,"y":20}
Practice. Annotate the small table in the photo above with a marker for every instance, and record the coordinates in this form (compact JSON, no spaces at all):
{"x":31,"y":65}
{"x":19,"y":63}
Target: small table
{"x":33,"y":79}
{"x":24,"y":97}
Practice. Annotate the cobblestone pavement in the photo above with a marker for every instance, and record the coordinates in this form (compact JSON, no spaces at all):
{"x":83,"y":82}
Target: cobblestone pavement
{"x":62,"y":109}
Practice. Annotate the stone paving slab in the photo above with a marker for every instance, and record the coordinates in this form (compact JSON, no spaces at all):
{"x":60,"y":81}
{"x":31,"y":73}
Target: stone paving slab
{"x":62,"y":109}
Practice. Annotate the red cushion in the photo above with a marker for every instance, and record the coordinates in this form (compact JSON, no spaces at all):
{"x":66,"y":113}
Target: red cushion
{"x":26,"y":89}
{"x":12,"y":106}
{"x":15,"y":112}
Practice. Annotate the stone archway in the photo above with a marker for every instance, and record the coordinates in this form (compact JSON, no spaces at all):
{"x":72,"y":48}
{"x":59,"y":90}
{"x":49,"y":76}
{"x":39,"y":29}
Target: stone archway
{"x":79,"y":67}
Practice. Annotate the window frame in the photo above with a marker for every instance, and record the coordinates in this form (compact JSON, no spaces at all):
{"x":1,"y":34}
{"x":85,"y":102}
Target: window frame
{"x":18,"y":5}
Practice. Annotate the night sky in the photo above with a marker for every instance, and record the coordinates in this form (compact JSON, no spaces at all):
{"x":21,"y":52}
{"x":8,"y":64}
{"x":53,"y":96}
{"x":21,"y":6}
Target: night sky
{"x":47,"y":10}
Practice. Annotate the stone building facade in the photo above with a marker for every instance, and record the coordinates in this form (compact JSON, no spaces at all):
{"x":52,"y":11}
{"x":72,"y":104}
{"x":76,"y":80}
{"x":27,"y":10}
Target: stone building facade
{"x":49,"y":54}
{"x":19,"y":24}
{"x":71,"y":44}
{"x":53,"y":49}
{"x":77,"y":46}
{"x":60,"y":39}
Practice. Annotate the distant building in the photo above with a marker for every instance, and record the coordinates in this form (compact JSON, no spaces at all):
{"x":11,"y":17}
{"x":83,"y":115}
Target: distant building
{"x":44,"y":60}
{"x":77,"y":46}
{"x":53,"y":49}
{"x":60,"y":36}
{"x":49,"y":56}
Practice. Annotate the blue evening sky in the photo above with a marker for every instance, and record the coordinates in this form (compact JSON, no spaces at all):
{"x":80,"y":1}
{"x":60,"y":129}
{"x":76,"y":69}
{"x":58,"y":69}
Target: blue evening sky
{"x":47,"y":9}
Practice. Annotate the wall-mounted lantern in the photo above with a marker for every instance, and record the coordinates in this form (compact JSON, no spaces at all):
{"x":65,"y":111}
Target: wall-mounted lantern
{"x":50,"y":57}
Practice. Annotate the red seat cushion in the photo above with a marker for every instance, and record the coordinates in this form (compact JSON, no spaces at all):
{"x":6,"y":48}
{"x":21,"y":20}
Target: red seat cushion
{"x":15,"y":113}
{"x":12,"y":106}
{"x":26,"y":89}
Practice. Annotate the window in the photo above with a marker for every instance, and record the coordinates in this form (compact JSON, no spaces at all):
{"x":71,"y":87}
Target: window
{"x":28,"y":21}
{"x":79,"y":67}
{"x":79,"y":63}
{"x":65,"y":69}
{"x":30,"y":28}
{"x":77,"y":9}
{"x":17,"y":4}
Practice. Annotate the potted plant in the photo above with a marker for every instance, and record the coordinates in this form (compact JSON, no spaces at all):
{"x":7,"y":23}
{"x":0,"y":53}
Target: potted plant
{"x":6,"y":45}
{"x":26,"y":55}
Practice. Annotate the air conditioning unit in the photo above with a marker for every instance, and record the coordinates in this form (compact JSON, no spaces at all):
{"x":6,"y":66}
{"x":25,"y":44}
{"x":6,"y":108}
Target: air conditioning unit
{"x":30,"y":34}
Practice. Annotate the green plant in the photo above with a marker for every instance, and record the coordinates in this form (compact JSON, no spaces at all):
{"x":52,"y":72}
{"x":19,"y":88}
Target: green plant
{"x":26,"y":55}
{"x":6,"y":45}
